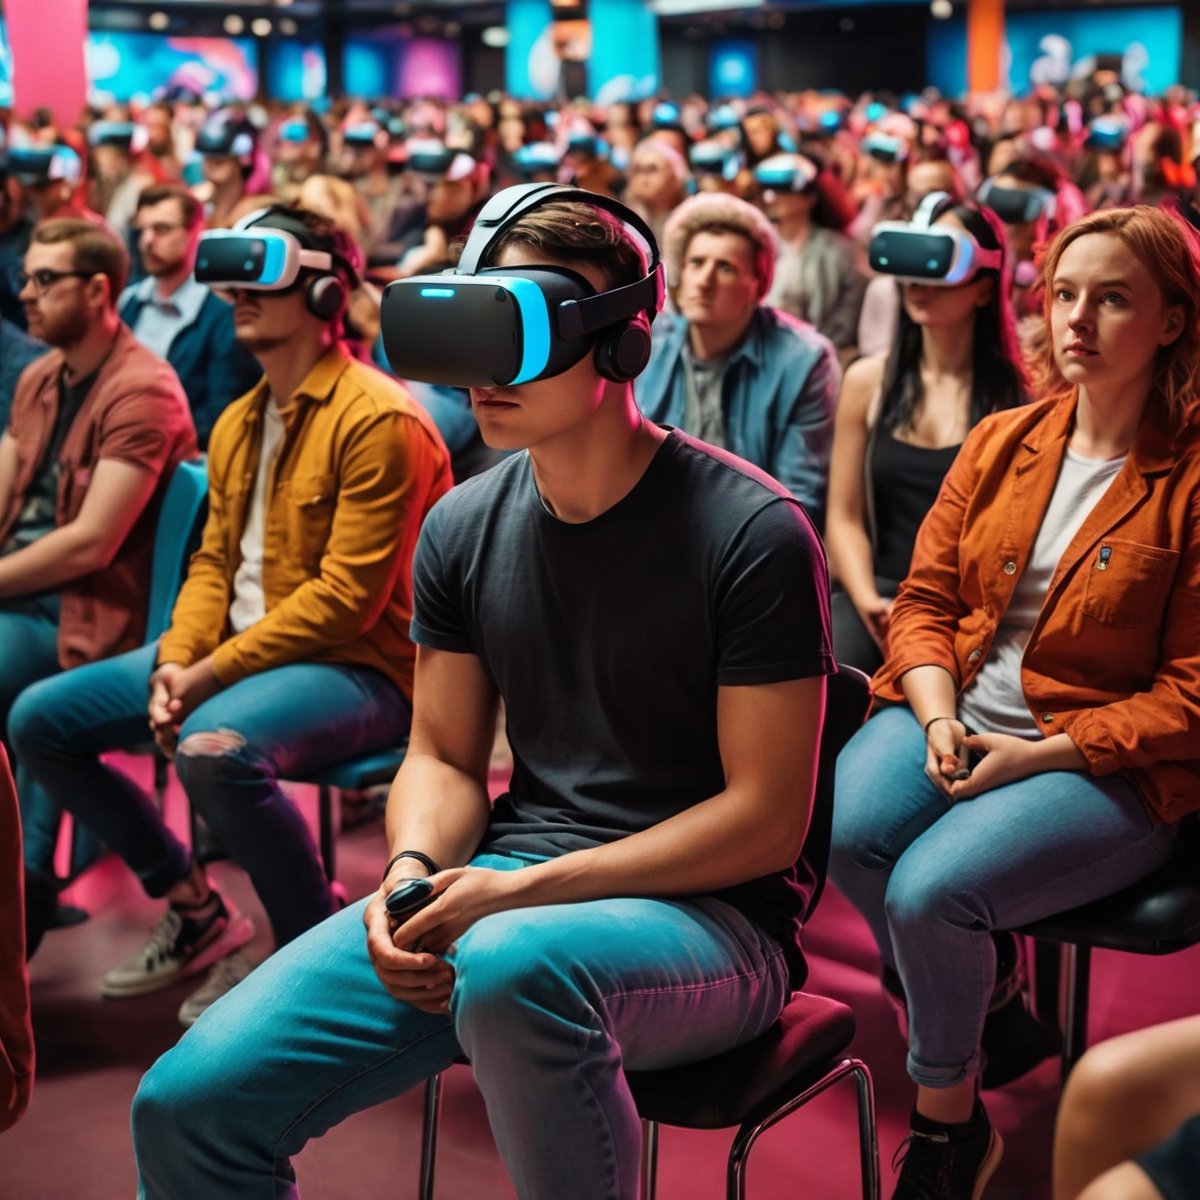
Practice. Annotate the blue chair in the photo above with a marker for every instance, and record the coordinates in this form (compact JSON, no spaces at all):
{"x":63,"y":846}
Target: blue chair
{"x":354,"y":774}
{"x":180,"y":524}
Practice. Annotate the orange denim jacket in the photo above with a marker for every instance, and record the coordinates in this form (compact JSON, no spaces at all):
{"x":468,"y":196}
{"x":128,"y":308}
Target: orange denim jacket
{"x":360,"y":465}
{"x":1113,"y":660}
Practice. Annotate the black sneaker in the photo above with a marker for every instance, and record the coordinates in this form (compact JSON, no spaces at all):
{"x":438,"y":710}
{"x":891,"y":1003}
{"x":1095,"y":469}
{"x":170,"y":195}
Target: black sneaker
{"x":947,"y":1162}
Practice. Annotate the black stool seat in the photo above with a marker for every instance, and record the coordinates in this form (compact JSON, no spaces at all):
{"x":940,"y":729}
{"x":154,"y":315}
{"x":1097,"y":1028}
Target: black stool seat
{"x":1157,"y":915}
{"x":750,"y":1081}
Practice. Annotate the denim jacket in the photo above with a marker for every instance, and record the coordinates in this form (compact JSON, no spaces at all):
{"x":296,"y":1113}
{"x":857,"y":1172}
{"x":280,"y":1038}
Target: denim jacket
{"x":778,"y":396}
{"x":213,"y":368}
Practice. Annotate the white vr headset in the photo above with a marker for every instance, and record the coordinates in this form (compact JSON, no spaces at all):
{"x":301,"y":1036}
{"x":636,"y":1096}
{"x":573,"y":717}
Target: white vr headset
{"x":255,"y":257}
{"x":918,"y":251}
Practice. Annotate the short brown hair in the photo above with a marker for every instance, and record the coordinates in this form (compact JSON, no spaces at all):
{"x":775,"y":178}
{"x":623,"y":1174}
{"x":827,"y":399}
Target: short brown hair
{"x":573,"y":231}
{"x":190,"y":208}
{"x":98,"y":251}
{"x":1168,"y":248}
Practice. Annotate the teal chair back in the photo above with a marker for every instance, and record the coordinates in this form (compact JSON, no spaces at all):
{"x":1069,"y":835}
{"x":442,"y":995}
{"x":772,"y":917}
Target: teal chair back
{"x":180,"y":522}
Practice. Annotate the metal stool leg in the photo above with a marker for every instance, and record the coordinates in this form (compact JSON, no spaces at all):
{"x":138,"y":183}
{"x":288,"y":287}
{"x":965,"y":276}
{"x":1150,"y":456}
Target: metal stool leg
{"x":649,"y":1165}
{"x":429,"y":1136}
{"x":1077,"y":964}
{"x":868,"y":1138}
{"x":328,"y":838}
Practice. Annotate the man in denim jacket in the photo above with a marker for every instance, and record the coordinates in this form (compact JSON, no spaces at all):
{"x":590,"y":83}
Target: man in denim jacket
{"x":731,"y":371}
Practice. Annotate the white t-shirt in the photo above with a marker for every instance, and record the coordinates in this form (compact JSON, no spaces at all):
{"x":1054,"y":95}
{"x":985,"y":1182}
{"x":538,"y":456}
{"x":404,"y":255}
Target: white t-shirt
{"x":249,"y":603}
{"x":995,"y":703}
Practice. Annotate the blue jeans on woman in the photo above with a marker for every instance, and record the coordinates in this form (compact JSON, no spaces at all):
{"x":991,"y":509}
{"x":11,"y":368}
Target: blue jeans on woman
{"x":286,"y":722}
{"x":933,"y":879}
{"x":550,"y":1004}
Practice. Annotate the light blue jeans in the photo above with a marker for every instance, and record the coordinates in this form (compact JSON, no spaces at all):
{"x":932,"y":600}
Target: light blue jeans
{"x":29,"y":652}
{"x":548,"y":1003}
{"x":290,"y":720}
{"x":934,"y":879}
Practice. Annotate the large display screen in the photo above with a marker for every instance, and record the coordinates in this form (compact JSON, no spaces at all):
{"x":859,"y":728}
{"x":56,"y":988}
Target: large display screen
{"x":123,"y":65}
{"x":6,"y":93}
{"x":295,"y":71}
{"x":386,"y":64}
{"x":1052,"y":47}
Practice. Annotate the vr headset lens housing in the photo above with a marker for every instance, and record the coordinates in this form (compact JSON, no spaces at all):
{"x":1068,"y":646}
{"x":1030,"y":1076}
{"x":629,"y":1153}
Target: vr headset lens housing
{"x":509,"y":315}
{"x":261,"y":259}
{"x":919,"y":252}
{"x":1015,"y":206}
{"x":497,"y":326}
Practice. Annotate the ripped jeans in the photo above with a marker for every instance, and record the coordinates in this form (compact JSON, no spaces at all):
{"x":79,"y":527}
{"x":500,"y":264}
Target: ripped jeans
{"x":279,"y":724}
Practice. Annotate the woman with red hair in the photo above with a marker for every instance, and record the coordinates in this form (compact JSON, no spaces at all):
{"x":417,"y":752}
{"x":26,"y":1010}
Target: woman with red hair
{"x":1041,"y":738}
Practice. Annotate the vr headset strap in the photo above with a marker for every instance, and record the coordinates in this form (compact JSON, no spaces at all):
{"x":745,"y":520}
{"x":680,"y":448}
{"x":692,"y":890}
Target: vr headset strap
{"x":923,"y":217}
{"x":576,"y":318}
{"x":503,"y":209}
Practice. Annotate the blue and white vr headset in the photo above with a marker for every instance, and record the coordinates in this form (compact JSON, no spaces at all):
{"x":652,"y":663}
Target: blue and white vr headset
{"x":786,"y":173}
{"x":1014,"y":206}
{"x":38,"y":165}
{"x":918,"y":251}
{"x":885,"y":147}
{"x":480,"y":326}
{"x":260,"y":258}
{"x":715,"y":157}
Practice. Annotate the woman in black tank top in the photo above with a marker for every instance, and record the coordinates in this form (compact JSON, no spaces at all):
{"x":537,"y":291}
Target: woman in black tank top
{"x":900,"y":421}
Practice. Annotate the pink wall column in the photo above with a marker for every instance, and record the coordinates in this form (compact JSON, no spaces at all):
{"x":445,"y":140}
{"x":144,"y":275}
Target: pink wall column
{"x":46,"y":38}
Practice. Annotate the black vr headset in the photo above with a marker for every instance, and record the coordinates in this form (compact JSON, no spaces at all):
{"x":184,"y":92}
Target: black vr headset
{"x":480,"y":326}
{"x":918,"y":251}
{"x":1015,"y":206}
{"x":272,"y":257}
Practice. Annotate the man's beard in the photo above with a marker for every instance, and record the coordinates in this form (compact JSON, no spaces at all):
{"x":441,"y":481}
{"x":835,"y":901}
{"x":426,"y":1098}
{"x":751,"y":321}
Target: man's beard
{"x":65,"y":331}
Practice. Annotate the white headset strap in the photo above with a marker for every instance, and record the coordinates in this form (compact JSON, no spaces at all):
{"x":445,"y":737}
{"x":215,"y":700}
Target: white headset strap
{"x":923,"y":217}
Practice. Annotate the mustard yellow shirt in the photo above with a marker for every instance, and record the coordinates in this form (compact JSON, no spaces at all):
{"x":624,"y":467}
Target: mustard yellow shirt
{"x":360,"y":465}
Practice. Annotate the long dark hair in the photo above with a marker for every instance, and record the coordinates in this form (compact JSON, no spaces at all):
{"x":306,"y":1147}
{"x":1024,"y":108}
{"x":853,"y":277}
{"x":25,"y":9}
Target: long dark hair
{"x":998,"y":375}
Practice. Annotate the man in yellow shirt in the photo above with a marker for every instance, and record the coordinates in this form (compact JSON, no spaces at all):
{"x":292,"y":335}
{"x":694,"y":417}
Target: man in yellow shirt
{"x":288,"y":648}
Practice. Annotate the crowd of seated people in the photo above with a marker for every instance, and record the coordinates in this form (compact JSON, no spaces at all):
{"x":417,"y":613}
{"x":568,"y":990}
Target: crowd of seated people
{"x":998,"y":454}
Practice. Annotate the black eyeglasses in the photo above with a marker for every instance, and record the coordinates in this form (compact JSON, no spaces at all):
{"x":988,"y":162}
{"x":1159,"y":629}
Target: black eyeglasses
{"x":45,"y":279}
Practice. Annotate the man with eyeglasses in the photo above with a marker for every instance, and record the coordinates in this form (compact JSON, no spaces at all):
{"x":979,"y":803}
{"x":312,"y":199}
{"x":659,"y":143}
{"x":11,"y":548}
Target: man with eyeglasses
{"x":178,"y":318}
{"x":98,"y":425}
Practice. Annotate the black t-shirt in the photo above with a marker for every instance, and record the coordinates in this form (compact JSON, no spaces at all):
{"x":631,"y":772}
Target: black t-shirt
{"x":39,"y":514}
{"x":608,"y":641}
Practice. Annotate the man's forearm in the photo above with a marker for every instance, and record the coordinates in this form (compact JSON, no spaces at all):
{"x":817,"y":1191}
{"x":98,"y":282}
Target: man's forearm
{"x":437,"y":809}
{"x":728,"y":839}
{"x":58,"y":558}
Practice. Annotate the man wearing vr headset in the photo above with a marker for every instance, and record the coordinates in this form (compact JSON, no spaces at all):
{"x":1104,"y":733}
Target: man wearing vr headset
{"x":729,"y":369}
{"x":288,"y":645}
{"x":228,"y":146}
{"x":457,"y":185}
{"x":817,"y":275}
{"x":178,"y":318}
{"x":52,"y":177}
{"x":652,"y":611}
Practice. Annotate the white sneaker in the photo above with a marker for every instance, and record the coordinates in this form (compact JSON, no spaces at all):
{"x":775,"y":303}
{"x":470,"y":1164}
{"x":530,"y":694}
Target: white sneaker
{"x":179,"y":946}
{"x":224,"y":977}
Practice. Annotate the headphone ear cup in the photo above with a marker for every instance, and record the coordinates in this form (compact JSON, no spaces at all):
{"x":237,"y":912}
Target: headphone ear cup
{"x":624,"y":350}
{"x":325,"y":297}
